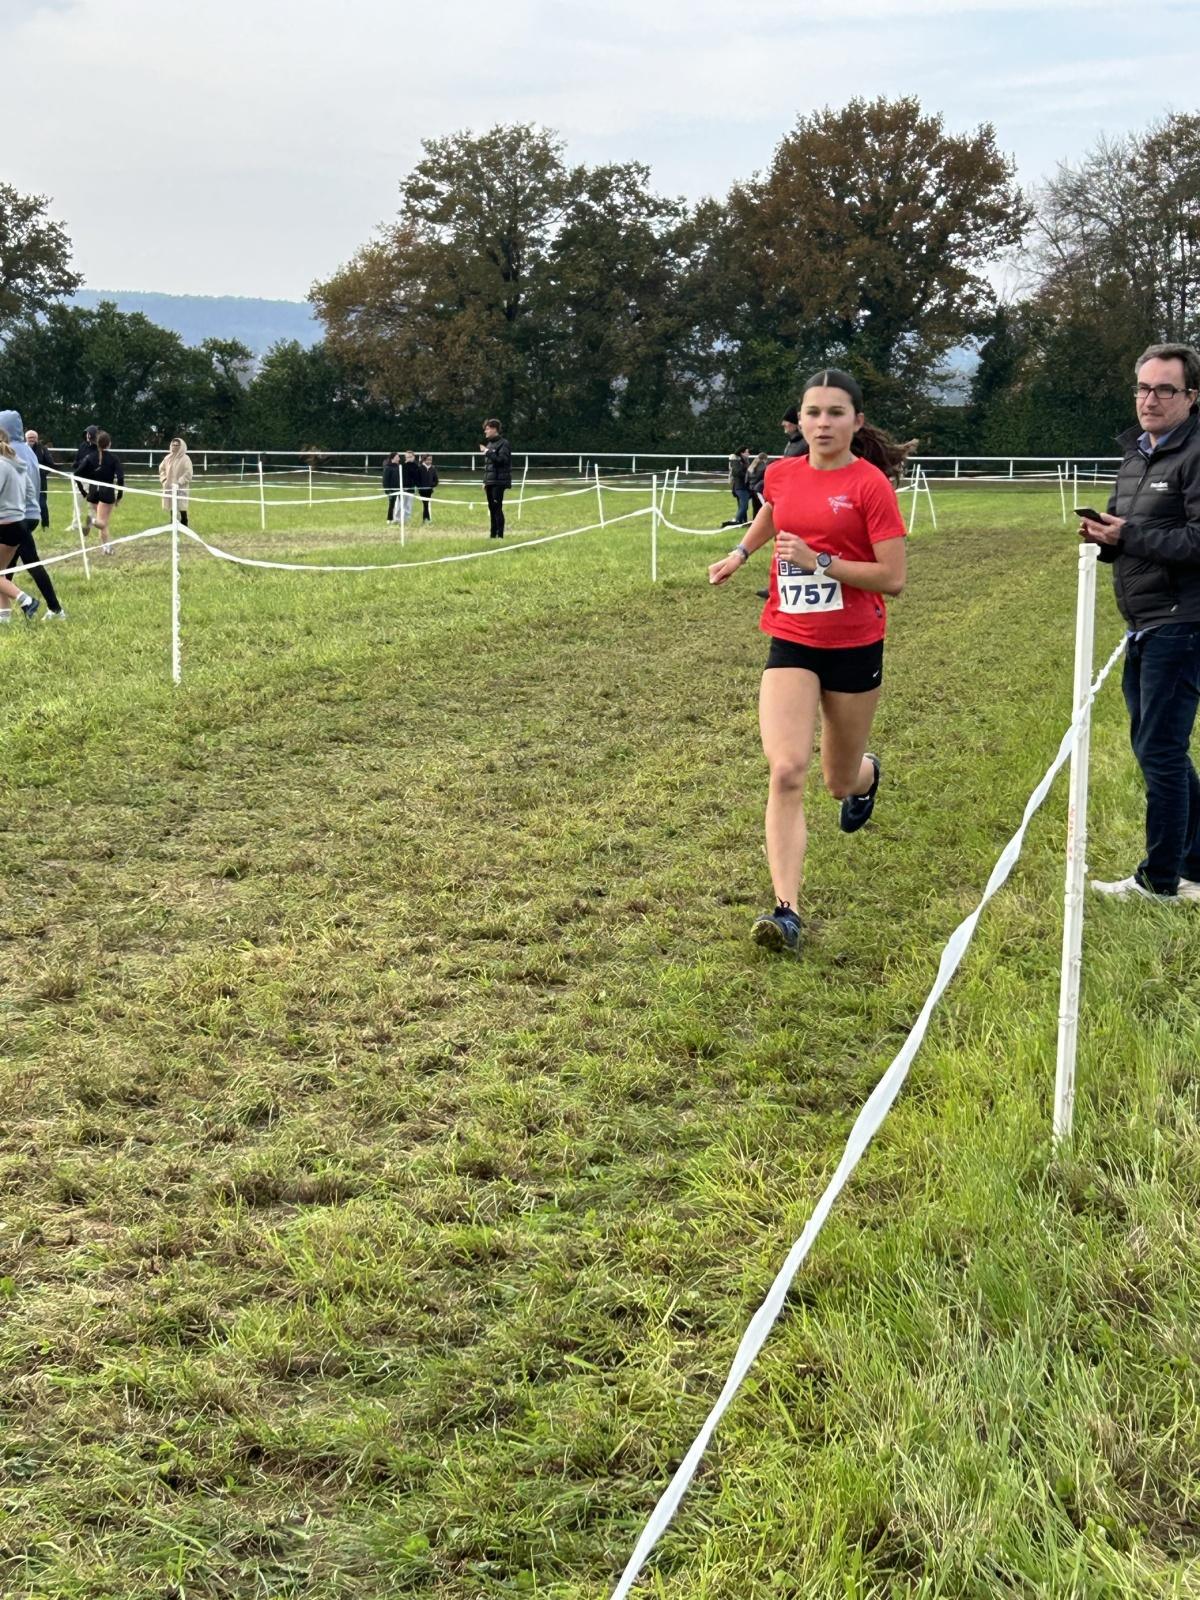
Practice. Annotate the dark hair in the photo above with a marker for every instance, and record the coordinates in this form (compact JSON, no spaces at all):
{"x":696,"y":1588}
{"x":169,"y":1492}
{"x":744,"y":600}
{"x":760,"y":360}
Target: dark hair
{"x":102,"y":442}
{"x":1185,"y":353}
{"x":791,"y":415}
{"x":91,"y":431}
{"x":494,"y":422}
{"x":872,"y":444}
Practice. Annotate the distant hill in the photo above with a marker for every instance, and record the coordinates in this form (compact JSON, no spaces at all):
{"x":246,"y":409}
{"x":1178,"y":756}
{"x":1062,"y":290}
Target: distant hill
{"x":195,"y":317}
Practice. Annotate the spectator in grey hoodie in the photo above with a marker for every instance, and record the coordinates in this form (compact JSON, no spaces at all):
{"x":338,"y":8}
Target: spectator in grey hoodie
{"x":27,"y":550}
{"x":12,"y":527}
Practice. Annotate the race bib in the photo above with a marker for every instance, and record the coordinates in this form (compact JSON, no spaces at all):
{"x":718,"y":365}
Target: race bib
{"x":802,"y":592}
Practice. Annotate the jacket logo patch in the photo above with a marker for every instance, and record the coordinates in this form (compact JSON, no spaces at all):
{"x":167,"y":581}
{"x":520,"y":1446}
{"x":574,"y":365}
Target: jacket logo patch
{"x":840,"y":502}
{"x":1161,"y":485}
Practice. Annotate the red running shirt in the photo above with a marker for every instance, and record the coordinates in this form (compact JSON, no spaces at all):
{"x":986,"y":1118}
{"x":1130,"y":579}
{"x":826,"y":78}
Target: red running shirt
{"x":845,"y":512}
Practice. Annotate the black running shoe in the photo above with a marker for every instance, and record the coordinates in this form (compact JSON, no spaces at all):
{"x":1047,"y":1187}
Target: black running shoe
{"x":763,"y":594}
{"x":857,"y":808}
{"x":778,"y":929}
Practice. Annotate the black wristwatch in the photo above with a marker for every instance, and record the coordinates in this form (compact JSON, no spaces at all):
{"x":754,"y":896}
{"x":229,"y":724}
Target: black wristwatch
{"x":824,"y":561}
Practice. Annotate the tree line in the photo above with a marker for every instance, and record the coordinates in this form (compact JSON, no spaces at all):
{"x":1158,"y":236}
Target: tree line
{"x":586,"y":308}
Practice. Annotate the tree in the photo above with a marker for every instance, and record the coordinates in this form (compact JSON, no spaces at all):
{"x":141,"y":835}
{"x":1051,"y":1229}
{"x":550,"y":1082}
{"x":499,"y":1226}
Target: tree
{"x":72,"y":366}
{"x":305,"y":396}
{"x":1124,"y":225}
{"x":511,"y":283}
{"x":35,"y":256}
{"x":863,"y":245}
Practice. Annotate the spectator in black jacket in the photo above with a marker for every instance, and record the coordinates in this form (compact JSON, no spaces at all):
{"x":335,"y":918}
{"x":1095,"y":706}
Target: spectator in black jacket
{"x":497,"y":473}
{"x":85,"y":461}
{"x":427,"y":482}
{"x":1150,"y":535}
{"x":739,"y":471}
{"x":45,"y":459}
{"x":391,"y":482}
{"x":755,"y":474}
{"x":409,"y":477}
{"x":795,"y":444}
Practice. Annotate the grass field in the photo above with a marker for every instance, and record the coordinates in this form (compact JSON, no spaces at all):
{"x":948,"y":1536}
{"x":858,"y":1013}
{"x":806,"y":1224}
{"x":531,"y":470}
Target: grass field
{"x":399,"y":1128}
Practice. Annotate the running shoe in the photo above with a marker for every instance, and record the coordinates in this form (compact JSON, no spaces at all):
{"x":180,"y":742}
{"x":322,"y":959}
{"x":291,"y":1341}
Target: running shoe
{"x":778,"y":929}
{"x":857,"y":808}
{"x":29,"y":605}
{"x":1188,"y":889}
{"x":1134,"y":889}
{"x":55,"y":616}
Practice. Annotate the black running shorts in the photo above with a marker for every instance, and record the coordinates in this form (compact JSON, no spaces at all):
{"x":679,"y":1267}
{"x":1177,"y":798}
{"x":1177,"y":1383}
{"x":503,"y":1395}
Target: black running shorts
{"x":854,"y":670}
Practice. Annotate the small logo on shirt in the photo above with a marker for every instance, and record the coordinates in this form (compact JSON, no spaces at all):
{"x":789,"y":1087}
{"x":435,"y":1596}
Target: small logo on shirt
{"x":840,"y":502}
{"x":1160,"y":485}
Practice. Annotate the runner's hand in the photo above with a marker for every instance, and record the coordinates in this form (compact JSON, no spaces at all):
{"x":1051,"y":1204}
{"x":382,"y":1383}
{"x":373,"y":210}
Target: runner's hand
{"x":791,"y":547}
{"x":725,"y":568}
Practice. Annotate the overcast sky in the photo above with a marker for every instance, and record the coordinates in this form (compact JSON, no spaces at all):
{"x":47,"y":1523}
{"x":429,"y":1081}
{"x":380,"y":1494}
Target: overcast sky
{"x":249,"y":148}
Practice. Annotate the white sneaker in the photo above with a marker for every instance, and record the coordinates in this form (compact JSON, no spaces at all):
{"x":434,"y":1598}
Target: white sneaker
{"x":1131,"y":889}
{"x":1188,"y":889}
{"x":56,"y":616}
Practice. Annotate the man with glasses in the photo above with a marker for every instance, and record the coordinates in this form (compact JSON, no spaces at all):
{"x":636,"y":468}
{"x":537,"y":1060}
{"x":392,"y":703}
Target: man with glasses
{"x":1151,"y":537}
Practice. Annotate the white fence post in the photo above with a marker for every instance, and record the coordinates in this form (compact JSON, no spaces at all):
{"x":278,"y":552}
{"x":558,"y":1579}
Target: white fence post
{"x":674,"y":490}
{"x":176,"y":660}
{"x":1061,"y":474}
{"x":310,"y":483}
{"x":654,"y":527}
{"x":521,"y":495}
{"x":599,"y":496}
{"x":262,"y":497}
{"x":924,"y":479}
{"x":1072,"y":946}
{"x":77,"y":522}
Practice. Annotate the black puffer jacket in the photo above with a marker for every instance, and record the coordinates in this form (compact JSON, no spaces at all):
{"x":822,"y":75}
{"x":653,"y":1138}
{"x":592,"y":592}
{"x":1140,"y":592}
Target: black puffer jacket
{"x":1156,"y":565}
{"x":497,"y":463}
{"x":738,"y":471}
{"x":796,"y":446}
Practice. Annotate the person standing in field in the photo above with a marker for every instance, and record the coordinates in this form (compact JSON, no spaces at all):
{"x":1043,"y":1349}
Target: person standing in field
{"x":1150,"y":535}
{"x":175,"y":472}
{"x":45,"y":459}
{"x":794,"y":442}
{"x":13,"y":493}
{"x":391,"y":483}
{"x":429,"y":481}
{"x":409,"y":475}
{"x":27,"y":551}
{"x":739,"y":466}
{"x":107,"y":489}
{"x":85,"y":461}
{"x":497,"y":473}
{"x":755,"y":473}
{"x":838,"y":550}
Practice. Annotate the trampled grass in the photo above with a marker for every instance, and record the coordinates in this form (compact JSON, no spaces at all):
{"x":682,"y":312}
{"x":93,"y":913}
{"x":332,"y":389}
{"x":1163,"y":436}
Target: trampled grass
{"x":399,"y":1129}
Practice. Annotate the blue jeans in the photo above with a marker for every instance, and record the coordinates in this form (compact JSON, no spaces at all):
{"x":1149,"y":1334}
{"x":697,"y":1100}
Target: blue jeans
{"x":1162,"y":691}
{"x":742,"y":496}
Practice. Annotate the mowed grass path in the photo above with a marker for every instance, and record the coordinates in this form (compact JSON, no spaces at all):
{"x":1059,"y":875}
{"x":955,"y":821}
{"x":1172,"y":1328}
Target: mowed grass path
{"x":399,"y":1129}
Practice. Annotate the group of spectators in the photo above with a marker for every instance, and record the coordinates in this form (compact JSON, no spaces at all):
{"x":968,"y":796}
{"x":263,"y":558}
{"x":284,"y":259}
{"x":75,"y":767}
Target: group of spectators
{"x":748,"y":469}
{"x":407,"y":476}
{"x":98,"y":474}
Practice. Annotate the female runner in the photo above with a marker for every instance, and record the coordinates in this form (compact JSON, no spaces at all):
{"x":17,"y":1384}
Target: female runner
{"x":839,"y":548}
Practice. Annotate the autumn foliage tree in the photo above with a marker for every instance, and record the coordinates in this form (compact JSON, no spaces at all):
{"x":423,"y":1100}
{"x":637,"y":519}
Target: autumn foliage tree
{"x":865,"y":245}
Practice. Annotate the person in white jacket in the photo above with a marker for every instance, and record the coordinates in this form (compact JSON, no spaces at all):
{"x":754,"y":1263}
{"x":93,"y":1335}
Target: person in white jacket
{"x":12,"y":527}
{"x":175,"y":472}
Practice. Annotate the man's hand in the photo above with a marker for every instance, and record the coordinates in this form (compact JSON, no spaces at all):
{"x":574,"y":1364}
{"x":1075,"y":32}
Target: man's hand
{"x":1105,"y":530}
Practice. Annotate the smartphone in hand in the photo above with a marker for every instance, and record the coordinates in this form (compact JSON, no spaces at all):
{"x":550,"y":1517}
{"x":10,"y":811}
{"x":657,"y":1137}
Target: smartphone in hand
{"x":1086,"y":511}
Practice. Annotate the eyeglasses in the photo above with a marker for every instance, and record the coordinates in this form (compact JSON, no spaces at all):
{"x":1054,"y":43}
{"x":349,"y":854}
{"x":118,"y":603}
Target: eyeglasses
{"x":1160,"y":391}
